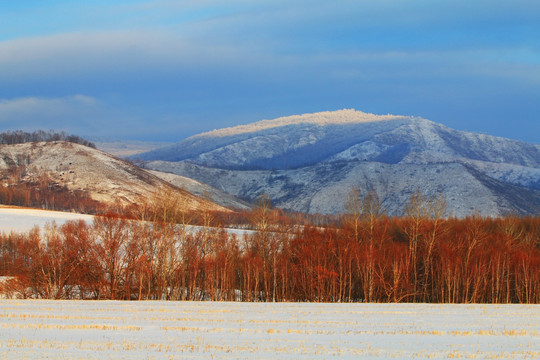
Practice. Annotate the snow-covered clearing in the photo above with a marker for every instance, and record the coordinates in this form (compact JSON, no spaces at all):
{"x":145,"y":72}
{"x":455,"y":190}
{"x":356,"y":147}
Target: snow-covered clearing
{"x":23,"y":220}
{"x":187,"y":330}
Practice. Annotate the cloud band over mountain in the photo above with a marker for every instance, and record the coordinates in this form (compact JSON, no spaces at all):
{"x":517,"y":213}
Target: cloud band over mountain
{"x":161,"y":66}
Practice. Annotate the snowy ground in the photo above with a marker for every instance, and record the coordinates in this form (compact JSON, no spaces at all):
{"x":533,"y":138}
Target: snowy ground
{"x":23,"y":220}
{"x":188,"y":330}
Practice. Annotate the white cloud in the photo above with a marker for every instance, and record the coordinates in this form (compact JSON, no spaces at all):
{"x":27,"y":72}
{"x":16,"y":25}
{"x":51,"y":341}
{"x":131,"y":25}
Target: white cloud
{"x":30,"y":106}
{"x":124,"y":52}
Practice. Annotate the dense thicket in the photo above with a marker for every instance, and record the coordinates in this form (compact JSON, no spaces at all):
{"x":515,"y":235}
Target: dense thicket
{"x":369,"y":258}
{"x":46,"y":195}
{"x":20,"y":137}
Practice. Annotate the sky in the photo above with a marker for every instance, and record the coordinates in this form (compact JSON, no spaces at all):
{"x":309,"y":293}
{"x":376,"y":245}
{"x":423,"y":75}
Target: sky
{"x":166,"y":70}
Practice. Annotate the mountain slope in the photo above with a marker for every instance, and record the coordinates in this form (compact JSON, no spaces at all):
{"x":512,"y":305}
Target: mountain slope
{"x":103,"y":177}
{"x":310,"y":162}
{"x":285,"y":142}
{"x":203,"y":190}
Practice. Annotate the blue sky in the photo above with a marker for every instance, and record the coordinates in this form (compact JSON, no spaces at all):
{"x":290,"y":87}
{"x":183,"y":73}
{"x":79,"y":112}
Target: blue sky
{"x":165,"y":70}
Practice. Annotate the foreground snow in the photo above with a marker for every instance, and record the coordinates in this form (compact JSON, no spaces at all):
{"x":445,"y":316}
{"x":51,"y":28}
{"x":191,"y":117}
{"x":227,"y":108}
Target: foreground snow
{"x":187,"y":330}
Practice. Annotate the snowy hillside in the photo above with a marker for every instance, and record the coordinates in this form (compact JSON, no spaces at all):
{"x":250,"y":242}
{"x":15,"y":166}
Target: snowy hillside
{"x":203,"y":190}
{"x":285,"y":142}
{"x":310,"y":162}
{"x":103,"y":177}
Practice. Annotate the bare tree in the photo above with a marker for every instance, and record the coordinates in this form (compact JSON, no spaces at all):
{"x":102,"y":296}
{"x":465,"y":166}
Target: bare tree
{"x":436,"y":212}
{"x":112,"y":234}
{"x":353,"y":208}
{"x":371,"y":213}
{"x":263,"y":218}
{"x":416,"y":211}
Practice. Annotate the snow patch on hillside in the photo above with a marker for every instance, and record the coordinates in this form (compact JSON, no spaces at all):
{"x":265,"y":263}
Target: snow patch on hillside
{"x":364,"y":151}
{"x":509,"y":173}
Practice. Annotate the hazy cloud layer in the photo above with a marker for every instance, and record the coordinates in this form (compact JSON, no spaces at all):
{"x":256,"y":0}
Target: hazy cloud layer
{"x":173,"y":68}
{"x":29,"y":112}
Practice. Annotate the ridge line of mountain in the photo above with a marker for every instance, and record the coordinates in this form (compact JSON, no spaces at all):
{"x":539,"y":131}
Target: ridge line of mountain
{"x":310,"y":162}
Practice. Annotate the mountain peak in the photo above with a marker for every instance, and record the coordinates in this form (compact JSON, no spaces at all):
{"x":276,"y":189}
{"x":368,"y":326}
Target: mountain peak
{"x":344,"y":116}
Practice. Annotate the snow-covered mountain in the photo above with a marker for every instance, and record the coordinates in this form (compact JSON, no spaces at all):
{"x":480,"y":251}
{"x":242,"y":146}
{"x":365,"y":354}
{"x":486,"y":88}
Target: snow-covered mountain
{"x":103,"y":177}
{"x":310,"y":163}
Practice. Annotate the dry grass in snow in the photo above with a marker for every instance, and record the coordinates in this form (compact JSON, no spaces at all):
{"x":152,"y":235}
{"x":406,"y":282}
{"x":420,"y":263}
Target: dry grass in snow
{"x":189,"y":330}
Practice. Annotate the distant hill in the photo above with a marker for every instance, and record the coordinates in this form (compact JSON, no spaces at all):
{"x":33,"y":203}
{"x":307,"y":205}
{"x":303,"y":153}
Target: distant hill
{"x":310,"y":162}
{"x":123,"y":148}
{"x":86,"y":171}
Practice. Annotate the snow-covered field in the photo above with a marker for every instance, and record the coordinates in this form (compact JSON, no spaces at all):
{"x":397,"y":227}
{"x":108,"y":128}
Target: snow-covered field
{"x":23,"y":220}
{"x":217,"y":330}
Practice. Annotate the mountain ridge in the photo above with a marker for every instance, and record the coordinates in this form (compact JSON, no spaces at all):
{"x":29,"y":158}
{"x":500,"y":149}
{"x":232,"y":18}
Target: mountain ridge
{"x":312,"y":156}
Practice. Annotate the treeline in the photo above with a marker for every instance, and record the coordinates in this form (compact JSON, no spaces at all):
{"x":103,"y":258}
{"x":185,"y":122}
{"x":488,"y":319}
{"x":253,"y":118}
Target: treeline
{"x":421,"y":258}
{"x":50,"y":197}
{"x":43,"y":193}
{"x":20,"y":137}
